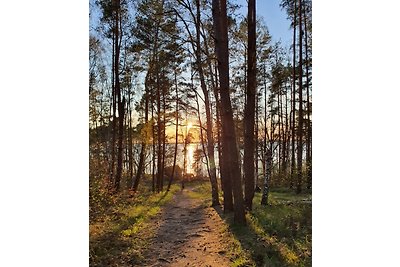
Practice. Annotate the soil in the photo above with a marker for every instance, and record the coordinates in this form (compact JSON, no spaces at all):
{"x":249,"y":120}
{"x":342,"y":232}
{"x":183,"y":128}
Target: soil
{"x":188,"y":234}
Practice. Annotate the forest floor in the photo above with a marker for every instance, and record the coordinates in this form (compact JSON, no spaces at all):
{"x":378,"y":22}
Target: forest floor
{"x":180,"y":228}
{"x":190,"y":233}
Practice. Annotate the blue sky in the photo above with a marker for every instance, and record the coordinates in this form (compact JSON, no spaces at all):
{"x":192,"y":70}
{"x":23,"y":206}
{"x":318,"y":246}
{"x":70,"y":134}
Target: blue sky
{"x":274,"y":17}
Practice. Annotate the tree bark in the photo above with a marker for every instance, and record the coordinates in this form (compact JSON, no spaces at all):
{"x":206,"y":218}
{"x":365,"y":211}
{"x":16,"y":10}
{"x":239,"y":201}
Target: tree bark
{"x":309,"y":133}
{"x":230,"y":151}
{"x":293,"y":163}
{"x":114,"y":117}
{"x":210,"y":138}
{"x":267,"y":177}
{"x":176,"y":132}
{"x":153,"y":169}
{"x":130,"y":145}
{"x":141,"y":164}
{"x":249,"y":113}
{"x":120,"y":102}
{"x":164,"y":137}
{"x":159,"y":132}
{"x":300,"y":127}
{"x":256,"y":142}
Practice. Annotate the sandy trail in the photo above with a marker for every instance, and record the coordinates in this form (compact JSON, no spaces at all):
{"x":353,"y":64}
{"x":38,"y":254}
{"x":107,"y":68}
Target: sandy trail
{"x":188,"y":234}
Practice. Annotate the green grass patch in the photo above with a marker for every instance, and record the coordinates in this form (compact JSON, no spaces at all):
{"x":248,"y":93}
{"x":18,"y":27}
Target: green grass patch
{"x":120,"y":236}
{"x":275,"y":235}
{"x":285,"y":227}
{"x":201,"y":191}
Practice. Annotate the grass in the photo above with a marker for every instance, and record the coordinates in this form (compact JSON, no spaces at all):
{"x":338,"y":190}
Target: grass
{"x":200,"y":190}
{"x":122,"y":234}
{"x":276,"y":235}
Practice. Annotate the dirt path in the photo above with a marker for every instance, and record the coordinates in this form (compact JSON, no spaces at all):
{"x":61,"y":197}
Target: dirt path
{"x":188,"y":234}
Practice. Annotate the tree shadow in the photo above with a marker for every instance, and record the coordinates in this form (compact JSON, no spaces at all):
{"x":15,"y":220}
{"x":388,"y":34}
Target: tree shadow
{"x":176,"y":233}
{"x":266,"y":248}
{"x":120,"y":244}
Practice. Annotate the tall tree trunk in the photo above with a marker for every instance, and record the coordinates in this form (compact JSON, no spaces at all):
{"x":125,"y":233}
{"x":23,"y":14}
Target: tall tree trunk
{"x":300,"y":127}
{"x":141,"y":164}
{"x":120,"y":102}
{"x":210,"y":138}
{"x":226,"y":181}
{"x":184,"y":172}
{"x":282,"y":138}
{"x":256,"y":142}
{"x":228,"y":201}
{"x":120,"y":144}
{"x":293,"y":163}
{"x":176,"y":131}
{"x":159,"y":132}
{"x":230,"y":151}
{"x":164,"y":137}
{"x":203,"y":146}
{"x":114,"y":117}
{"x":279,"y":140}
{"x":130,"y":140}
{"x":153,"y":169}
{"x":309,"y":134}
{"x":265,"y":123}
{"x":282,"y":141}
{"x":249,"y":113}
{"x":287,"y":137}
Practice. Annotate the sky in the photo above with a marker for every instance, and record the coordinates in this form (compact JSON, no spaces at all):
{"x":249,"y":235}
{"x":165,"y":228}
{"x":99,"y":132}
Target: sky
{"x":274,"y":17}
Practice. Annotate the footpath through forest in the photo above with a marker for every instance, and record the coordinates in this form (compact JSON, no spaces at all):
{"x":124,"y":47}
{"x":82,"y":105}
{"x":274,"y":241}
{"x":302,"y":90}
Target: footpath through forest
{"x":189,"y":233}
{"x":179,"y":228}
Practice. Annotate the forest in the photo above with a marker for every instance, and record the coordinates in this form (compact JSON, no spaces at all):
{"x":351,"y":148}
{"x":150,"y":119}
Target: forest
{"x":200,"y":134}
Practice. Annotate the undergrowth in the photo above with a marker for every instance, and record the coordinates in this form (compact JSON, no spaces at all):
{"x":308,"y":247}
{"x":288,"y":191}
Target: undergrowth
{"x":275,"y":235}
{"x":121,"y":234}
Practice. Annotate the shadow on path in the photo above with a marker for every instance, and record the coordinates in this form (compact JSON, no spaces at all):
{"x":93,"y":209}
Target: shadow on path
{"x":189,"y":234}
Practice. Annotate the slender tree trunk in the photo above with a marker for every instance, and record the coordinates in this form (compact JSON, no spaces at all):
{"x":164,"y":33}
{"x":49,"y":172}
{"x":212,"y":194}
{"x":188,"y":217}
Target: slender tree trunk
{"x":300,"y":127}
{"x":309,"y":134}
{"x":203,"y":146}
{"x":130,"y":145}
{"x":249,"y":113}
{"x":155,"y":69}
{"x":184,"y":173}
{"x":176,"y":132}
{"x":230,"y":151}
{"x":228,"y":202}
{"x":268,"y":160}
{"x":141,"y":164}
{"x":210,"y":138}
{"x":282,"y":139}
{"x":114,"y":117}
{"x":267,"y":177}
{"x":287,"y":138}
{"x":120,"y":144}
{"x":256,"y":141}
{"x":159,"y":132}
{"x":153,"y":169}
{"x":293,"y":163}
{"x":265,"y":124}
{"x":279,"y":141}
{"x":120,"y":102}
{"x":164,"y":137}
